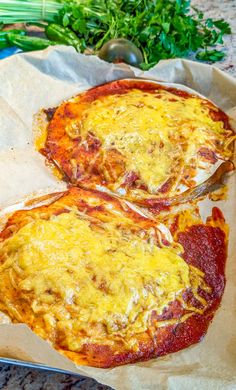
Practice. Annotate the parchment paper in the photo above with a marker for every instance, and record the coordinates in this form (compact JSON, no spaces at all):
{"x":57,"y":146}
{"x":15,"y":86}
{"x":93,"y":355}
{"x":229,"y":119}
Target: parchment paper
{"x":29,"y":82}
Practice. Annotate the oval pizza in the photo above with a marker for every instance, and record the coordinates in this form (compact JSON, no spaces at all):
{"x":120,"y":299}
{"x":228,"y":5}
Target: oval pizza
{"x":107,"y":286}
{"x":141,"y":140}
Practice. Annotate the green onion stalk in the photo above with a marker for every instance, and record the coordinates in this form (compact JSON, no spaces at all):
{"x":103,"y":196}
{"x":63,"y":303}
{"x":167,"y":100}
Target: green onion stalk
{"x":23,"y":11}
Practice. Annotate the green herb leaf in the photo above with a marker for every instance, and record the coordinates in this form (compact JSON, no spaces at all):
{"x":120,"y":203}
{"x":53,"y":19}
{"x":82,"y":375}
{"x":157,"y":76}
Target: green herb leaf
{"x":210,"y":55}
{"x":222,"y":25}
{"x":66,"y":20}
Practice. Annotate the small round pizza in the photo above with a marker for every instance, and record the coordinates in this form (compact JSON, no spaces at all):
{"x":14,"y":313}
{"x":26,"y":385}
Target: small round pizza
{"x":106,"y":285}
{"x":148,"y":143}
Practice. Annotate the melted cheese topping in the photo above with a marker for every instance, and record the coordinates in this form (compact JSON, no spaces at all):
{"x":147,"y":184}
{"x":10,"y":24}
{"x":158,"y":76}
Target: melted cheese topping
{"x":78,"y":282}
{"x":153,"y":131}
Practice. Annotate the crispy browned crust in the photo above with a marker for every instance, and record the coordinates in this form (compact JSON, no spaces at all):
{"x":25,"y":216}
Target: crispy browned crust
{"x":73,"y":158}
{"x":205,"y":248}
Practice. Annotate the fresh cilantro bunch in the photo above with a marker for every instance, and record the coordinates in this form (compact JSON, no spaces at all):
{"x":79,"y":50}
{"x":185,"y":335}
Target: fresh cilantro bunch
{"x":160,"y":28}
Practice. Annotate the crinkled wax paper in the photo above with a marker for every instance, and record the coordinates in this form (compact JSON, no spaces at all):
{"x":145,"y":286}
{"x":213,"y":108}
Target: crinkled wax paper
{"x":31,"y":81}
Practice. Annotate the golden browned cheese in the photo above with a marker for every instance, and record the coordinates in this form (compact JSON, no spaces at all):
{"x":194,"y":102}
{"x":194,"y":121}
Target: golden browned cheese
{"x":89,"y":270}
{"x":138,"y":123}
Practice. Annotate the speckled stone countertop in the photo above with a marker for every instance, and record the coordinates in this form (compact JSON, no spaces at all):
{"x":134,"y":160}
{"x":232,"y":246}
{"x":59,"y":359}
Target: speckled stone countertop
{"x":17,"y":378}
{"x":223,"y":9}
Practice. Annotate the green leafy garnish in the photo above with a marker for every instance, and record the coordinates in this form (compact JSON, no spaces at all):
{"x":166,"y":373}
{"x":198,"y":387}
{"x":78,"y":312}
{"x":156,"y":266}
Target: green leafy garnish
{"x":160,"y":28}
{"x":210,"y":55}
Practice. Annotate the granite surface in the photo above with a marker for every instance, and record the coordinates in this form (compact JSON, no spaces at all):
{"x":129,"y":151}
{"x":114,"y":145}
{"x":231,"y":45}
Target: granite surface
{"x":223,"y":9}
{"x":17,"y":378}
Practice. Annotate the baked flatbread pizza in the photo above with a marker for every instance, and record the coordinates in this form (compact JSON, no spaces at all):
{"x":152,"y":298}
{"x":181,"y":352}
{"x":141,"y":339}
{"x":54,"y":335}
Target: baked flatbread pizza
{"x":148,"y":143}
{"x":105,"y":284}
